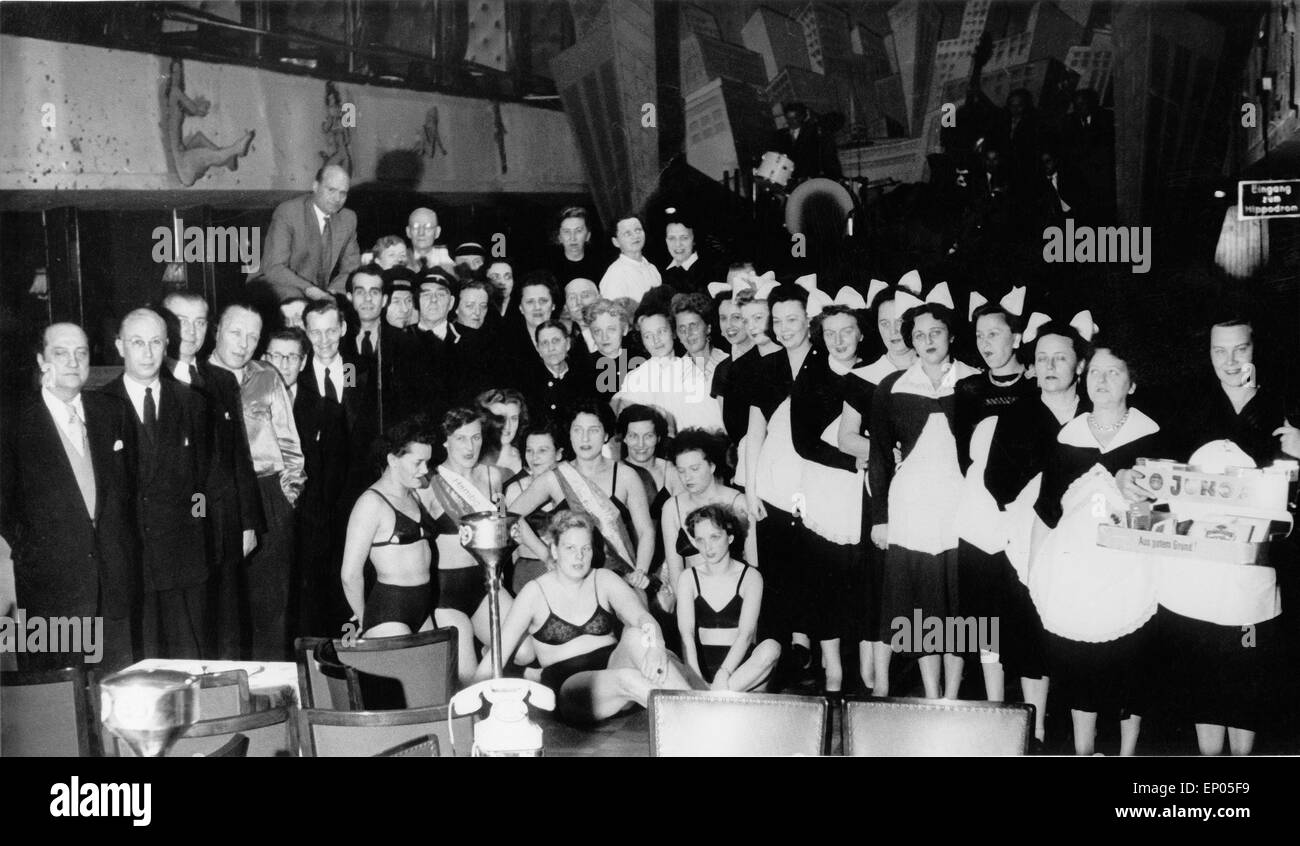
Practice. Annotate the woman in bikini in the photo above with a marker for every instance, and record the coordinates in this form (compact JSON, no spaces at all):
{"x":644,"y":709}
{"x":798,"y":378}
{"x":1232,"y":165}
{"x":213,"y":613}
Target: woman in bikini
{"x":606,"y":490}
{"x":391,"y":529}
{"x":699,"y":458}
{"x":594,"y":674}
{"x":460,"y":486}
{"x":718,"y":612}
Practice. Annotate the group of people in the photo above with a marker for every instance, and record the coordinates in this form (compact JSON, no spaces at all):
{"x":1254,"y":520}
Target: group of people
{"x":717,"y":480}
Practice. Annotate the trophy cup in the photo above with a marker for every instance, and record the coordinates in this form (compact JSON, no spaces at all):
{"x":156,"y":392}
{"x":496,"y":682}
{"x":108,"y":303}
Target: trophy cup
{"x":487,"y":536}
{"x":149,"y":709}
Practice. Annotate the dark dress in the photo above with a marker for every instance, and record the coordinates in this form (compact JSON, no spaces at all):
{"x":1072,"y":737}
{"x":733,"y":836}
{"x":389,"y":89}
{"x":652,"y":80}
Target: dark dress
{"x":985,"y":576}
{"x":1222,"y":644}
{"x":1098,"y":605}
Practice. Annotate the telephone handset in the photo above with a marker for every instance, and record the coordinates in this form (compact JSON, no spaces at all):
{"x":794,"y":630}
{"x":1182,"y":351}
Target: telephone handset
{"x":505,"y":692}
{"x":506,"y":731}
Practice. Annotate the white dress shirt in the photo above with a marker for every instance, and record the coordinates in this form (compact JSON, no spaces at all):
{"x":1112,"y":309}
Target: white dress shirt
{"x":336,"y":375}
{"x":629,"y":278}
{"x":59,"y":411}
{"x":135,"y":391}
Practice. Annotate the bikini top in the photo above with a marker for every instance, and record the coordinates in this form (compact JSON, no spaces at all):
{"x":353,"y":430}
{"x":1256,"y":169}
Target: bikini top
{"x":685,"y":546}
{"x":407,"y":530}
{"x":728,"y":617}
{"x":557,"y":630}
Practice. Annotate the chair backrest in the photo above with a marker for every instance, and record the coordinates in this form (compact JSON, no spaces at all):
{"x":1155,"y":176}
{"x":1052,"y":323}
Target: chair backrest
{"x":45,"y":714}
{"x":921,"y":727}
{"x":361,"y":734}
{"x":708,"y":723}
{"x":235,"y":747}
{"x":408,"y":671}
{"x":420,"y":747}
{"x":224,"y":694}
{"x":270,"y":734}
{"x":324,"y":681}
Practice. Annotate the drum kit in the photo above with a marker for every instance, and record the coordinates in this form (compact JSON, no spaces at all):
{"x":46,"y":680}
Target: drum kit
{"x":772,"y":182}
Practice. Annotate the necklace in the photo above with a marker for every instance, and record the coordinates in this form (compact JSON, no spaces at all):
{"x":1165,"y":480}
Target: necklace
{"x":1113,"y":427}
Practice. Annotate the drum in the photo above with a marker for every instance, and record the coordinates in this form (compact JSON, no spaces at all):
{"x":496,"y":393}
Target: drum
{"x":820,"y":204}
{"x":775,"y":170}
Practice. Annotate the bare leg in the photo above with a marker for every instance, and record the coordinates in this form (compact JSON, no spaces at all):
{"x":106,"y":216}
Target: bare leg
{"x":833,"y":665}
{"x":994,"y":680}
{"x":867,"y":663}
{"x":392,"y":629}
{"x":600,"y":694}
{"x":1035,"y":691}
{"x":1210,"y":738}
{"x":1128,"y":735}
{"x":630,"y":653}
{"x":882,"y":653}
{"x":931,"y":667}
{"x":952,"y":668}
{"x":466,"y":661}
{"x":753,"y":674}
{"x":1085,"y":731}
{"x":1242,"y":741}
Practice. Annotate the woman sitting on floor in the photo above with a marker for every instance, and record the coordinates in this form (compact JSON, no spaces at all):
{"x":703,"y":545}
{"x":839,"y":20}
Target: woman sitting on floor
{"x":594,"y":674}
{"x":719,"y":644}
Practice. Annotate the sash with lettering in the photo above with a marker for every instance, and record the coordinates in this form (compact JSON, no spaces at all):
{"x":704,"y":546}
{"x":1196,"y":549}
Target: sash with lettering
{"x":583,"y":496}
{"x":458,"y":496}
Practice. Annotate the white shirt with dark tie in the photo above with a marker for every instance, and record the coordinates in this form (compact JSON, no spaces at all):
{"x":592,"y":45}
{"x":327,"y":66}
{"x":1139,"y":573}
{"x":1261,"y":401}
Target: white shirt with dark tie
{"x":335,"y":370}
{"x":135,"y":391}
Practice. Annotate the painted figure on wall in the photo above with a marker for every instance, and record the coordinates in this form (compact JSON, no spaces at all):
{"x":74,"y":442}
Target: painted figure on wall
{"x":431,"y":144}
{"x":192,"y":156}
{"x":339,"y":118}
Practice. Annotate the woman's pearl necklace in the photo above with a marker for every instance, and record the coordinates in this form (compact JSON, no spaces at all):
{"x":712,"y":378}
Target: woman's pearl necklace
{"x":1113,"y":427}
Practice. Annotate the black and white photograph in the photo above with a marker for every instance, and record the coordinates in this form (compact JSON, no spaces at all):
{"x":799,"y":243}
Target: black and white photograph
{"x":651,"y":378}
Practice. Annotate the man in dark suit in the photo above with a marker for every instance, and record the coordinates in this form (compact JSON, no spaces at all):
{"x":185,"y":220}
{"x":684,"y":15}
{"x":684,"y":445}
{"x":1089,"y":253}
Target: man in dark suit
{"x":812,"y":151}
{"x":336,"y":414}
{"x":234,"y":505}
{"x":171,"y":429}
{"x":393,"y":353}
{"x":68,"y":505}
{"x":311,"y":246}
{"x":439,"y":339}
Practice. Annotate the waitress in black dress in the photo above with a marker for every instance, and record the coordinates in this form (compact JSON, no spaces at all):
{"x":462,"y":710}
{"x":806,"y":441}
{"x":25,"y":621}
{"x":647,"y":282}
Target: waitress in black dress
{"x":1097,"y":604}
{"x":1220,"y":624}
{"x":1022,"y":443}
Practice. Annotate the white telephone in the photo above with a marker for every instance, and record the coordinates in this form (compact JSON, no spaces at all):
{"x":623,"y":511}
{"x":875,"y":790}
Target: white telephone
{"x":507,"y":731}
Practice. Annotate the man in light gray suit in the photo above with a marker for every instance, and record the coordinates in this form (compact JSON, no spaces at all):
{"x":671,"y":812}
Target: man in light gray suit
{"x":311,"y":247}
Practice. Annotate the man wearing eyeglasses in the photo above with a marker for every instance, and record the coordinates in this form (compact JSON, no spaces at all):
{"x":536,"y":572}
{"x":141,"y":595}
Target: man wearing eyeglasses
{"x":171,"y":432}
{"x":234,"y":517}
{"x":423,"y":230}
{"x":67,"y":507}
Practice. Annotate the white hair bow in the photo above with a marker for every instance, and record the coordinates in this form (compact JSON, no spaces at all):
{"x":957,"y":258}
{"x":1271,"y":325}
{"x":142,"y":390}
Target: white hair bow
{"x":1013,"y":302}
{"x":938,"y":294}
{"x":850,"y":297}
{"x":873,"y":291}
{"x":742,"y":282}
{"x":817,"y":298}
{"x":1082,"y":323}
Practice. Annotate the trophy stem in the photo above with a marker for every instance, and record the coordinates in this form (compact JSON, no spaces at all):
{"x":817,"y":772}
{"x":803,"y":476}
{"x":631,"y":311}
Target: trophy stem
{"x":494,"y":617}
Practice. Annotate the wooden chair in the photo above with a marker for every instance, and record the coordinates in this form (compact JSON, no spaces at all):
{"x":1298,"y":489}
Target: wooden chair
{"x":224,"y":694}
{"x":235,"y":747}
{"x":902,"y":727}
{"x":361,"y":734}
{"x":270,"y":734}
{"x":420,"y":747}
{"x":323,"y":680}
{"x":710,"y":723}
{"x":409,"y":671}
{"x":46,"y":713}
